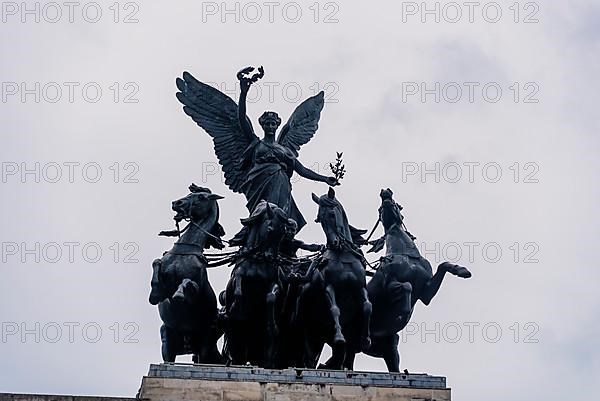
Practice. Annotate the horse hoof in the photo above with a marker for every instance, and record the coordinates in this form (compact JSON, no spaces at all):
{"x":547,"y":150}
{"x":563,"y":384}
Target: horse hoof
{"x":339,"y":339}
{"x":457,"y":270}
{"x":462,"y":272}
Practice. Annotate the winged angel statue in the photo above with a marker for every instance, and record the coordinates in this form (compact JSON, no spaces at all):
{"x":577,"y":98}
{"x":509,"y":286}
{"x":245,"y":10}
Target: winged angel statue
{"x":261,"y":169}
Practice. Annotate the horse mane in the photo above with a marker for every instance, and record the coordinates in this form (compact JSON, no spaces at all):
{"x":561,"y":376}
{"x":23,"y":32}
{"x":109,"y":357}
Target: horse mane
{"x":240,"y":238}
{"x":196,"y":189}
{"x":355,"y":233}
{"x":216,"y":231}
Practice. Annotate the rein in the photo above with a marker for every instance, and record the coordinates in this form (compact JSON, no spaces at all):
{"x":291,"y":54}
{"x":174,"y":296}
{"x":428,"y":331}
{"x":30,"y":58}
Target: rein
{"x":220,"y":259}
{"x":189,"y":218}
{"x":374,"y":228}
{"x":206,"y":232}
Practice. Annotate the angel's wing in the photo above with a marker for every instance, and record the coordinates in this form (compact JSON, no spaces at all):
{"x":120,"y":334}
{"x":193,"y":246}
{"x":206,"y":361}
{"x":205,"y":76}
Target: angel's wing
{"x":303,"y":123}
{"x":217,"y":114}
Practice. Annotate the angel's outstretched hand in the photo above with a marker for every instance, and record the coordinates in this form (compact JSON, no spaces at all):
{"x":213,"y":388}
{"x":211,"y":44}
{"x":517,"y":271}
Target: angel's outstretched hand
{"x":332,"y":181}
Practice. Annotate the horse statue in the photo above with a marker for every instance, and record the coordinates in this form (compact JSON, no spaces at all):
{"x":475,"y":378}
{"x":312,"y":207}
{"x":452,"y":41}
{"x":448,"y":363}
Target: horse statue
{"x":402,"y":278}
{"x":186,"y":302}
{"x":333,"y":307}
{"x":252,"y":298}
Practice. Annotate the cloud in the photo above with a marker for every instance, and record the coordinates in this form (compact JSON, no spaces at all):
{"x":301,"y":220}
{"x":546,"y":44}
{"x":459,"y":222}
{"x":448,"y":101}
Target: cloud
{"x":543,"y":207}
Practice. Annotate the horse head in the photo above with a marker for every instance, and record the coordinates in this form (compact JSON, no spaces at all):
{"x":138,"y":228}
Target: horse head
{"x":389,"y":211}
{"x":266,"y":226}
{"x":197,"y":205}
{"x":393,"y":224}
{"x":335,"y":224}
{"x":200,"y":206}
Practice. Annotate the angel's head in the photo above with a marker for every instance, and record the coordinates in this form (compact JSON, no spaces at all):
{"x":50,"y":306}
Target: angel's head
{"x":269,"y":122}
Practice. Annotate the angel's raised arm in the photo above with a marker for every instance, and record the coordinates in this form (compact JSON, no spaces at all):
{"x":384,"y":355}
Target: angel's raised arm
{"x":245,"y":124}
{"x":245,"y":83}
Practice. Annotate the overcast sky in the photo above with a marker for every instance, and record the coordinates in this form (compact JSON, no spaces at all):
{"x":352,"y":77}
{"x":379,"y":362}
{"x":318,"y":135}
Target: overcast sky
{"x":482,"y":123}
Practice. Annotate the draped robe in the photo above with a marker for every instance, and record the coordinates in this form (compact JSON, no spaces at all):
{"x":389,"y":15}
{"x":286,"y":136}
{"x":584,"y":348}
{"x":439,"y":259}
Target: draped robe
{"x":271,"y":166}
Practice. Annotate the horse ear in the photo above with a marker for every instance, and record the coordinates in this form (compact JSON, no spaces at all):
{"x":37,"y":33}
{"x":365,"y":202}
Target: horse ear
{"x":331,"y":193}
{"x":315,"y":198}
{"x":196,"y":189}
{"x":214,"y":197}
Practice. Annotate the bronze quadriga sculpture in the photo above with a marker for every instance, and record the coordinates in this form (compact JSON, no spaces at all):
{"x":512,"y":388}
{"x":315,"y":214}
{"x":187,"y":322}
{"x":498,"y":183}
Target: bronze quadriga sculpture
{"x":278,"y":310}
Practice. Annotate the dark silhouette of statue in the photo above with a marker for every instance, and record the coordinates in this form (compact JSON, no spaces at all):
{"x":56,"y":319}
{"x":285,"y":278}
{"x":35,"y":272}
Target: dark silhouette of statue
{"x":279,"y":308}
{"x":333,"y":307}
{"x":253,"y":293}
{"x":403,"y":278}
{"x":259,"y":168}
{"x":186,"y":301}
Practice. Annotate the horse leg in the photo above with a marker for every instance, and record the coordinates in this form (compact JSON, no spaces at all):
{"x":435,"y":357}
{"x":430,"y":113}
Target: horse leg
{"x":401,"y":292}
{"x":200,"y":351}
{"x":367,"y":310}
{"x":338,"y":347}
{"x":186,"y":291}
{"x":179,"y":295}
{"x":271,"y":304}
{"x":335,"y":314}
{"x":316,"y":281}
{"x":237,"y":293}
{"x":391,"y":355}
{"x":349,"y":361}
{"x":169,"y":344}
{"x":433,"y":285}
{"x":235,"y":344}
{"x":457,"y":270}
{"x":272,"y":328}
{"x":347,"y":364}
{"x":313,"y":347}
{"x":296,"y":314}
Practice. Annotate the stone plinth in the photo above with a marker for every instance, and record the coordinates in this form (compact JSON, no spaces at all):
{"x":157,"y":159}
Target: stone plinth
{"x":54,"y":397}
{"x":186,"y":382}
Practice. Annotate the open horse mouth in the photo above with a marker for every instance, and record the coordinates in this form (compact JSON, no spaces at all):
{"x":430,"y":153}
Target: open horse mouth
{"x":178,"y":208}
{"x":179,"y":216}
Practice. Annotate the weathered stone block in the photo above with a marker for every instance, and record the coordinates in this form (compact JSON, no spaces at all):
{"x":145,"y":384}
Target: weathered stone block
{"x":183,"y":382}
